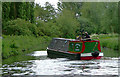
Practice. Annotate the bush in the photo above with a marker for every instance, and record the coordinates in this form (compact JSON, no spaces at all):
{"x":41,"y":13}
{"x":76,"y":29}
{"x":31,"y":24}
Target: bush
{"x":47,"y":29}
{"x":19,"y":27}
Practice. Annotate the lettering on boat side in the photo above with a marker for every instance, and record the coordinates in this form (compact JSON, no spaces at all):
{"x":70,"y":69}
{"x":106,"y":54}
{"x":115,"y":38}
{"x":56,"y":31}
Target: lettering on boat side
{"x":77,"y":44}
{"x":77,"y":47}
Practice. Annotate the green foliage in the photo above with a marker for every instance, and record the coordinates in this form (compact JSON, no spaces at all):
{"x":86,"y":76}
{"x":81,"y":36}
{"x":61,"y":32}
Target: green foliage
{"x":110,"y":43}
{"x":67,"y":24}
{"x":108,"y":40}
{"x":0,"y":18}
{"x":93,"y":17}
{"x":22,"y":27}
{"x":72,"y":6}
{"x":102,"y":15}
{"x":19,"y":27}
{"x":16,"y":45}
{"x":86,"y":25}
{"x":14,"y":10}
{"x":5,"y":12}
{"x":68,"y":21}
{"x":46,"y":13}
{"x":0,"y":51}
{"x":47,"y":29}
{"x":110,"y":52}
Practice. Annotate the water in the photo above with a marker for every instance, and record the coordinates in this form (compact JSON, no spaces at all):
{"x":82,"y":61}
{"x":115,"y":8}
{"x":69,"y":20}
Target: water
{"x":42,"y":65}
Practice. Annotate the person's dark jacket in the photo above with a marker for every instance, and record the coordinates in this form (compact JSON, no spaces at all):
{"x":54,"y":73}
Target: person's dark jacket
{"x":87,"y":37}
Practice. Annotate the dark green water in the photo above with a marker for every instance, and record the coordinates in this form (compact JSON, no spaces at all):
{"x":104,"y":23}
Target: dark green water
{"x":37,"y":63}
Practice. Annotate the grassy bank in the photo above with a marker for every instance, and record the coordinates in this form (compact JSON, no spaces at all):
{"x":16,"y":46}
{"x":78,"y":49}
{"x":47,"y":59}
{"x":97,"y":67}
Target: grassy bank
{"x":18,"y":45}
{"x":0,"y":52}
{"x":110,"y":43}
{"x":110,"y":52}
{"x":108,"y":40}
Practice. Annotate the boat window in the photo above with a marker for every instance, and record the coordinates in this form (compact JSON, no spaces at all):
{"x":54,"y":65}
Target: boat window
{"x":59,"y":44}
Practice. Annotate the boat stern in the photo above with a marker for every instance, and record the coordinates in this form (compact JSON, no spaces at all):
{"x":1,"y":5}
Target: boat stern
{"x":87,"y":50}
{"x":93,"y":55}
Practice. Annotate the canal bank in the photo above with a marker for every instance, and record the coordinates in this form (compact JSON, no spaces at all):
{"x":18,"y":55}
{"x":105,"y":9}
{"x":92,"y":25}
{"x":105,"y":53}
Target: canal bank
{"x":20,"y":45}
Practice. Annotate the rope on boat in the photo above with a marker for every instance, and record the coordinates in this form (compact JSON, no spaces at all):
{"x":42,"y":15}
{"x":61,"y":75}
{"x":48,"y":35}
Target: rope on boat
{"x":94,"y":46}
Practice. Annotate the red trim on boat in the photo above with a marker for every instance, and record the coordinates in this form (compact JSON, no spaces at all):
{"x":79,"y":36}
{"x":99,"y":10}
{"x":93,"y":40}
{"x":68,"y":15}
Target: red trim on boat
{"x":90,"y":57}
{"x":84,"y":41}
{"x":83,"y":47}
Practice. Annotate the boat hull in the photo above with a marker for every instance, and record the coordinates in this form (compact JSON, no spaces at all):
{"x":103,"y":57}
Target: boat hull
{"x":82,"y":56}
{"x":60,"y":54}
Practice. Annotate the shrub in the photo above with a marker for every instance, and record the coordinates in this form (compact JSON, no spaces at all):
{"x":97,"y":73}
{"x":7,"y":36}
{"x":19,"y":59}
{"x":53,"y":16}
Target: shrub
{"x":19,"y":27}
{"x":47,"y":29}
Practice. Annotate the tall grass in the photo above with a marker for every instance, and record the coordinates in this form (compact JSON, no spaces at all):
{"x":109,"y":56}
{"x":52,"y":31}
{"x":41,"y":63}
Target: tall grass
{"x":108,"y":40}
{"x":15,"y":45}
{"x":110,"y":52}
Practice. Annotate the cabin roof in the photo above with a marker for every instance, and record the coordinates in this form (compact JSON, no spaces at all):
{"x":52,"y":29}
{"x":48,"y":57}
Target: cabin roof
{"x":64,"y":39}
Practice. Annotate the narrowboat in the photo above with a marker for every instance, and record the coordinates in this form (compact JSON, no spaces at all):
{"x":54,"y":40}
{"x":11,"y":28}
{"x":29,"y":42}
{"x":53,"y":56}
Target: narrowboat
{"x":74,"y":49}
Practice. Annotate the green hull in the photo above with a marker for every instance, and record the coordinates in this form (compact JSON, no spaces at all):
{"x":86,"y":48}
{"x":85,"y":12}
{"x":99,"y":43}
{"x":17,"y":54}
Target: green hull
{"x":58,"y":54}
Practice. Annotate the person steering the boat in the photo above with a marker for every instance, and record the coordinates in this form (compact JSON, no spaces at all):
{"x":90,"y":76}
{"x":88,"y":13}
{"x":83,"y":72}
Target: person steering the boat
{"x":87,"y":37}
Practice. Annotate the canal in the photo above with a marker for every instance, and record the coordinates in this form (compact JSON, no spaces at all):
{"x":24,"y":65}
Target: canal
{"x":38,"y":63}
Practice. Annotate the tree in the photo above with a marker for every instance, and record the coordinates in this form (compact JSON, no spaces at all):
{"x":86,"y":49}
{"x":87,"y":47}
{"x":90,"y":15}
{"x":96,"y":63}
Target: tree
{"x":14,"y":10}
{"x":5,"y":12}
{"x":102,"y":15}
{"x":0,"y":18}
{"x":72,"y":6}
{"x":46,"y":13}
{"x":67,"y":24}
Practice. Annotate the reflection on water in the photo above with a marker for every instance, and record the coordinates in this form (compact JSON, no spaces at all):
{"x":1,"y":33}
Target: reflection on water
{"x":60,"y":66}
